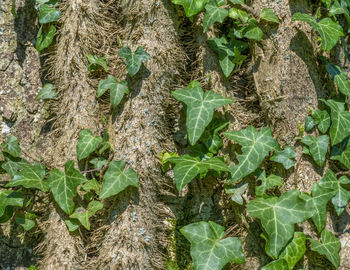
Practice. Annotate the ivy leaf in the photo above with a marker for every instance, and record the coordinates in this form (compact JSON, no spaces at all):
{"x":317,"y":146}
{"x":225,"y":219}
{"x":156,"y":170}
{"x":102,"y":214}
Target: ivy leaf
{"x":187,"y":168}
{"x":95,"y":63}
{"x":278,"y":216}
{"x":116,"y":179}
{"x":343,"y":156}
{"x":340,"y":120}
{"x":341,"y":197}
{"x":9,"y":198}
{"x":329,"y":246}
{"x":213,"y":14}
{"x":285,"y":157}
{"x":30,"y":177}
{"x":44,"y":40}
{"x":280,"y":264}
{"x":322,"y":120}
{"x":329,"y":31}
{"x":253,"y":31}
{"x":47,"y":92}
{"x":87,"y":143}
{"x":320,"y":198}
{"x":72,"y":224}
{"x":256,"y":145}
{"x":237,"y":192}
{"x":208,"y":250}
{"x":26,"y":220}
{"x":210,"y":138}
{"x":133,"y":61}
{"x":317,"y":147}
{"x":92,"y":185}
{"x":48,"y":14}
{"x":118,"y":90}
{"x":83,"y":214}
{"x":238,"y":14}
{"x":267,"y":183}
{"x":12,"y":167}
{"x":309,"y":123}
{"x":64,"y":185}
{"x":237,"y":2}
{"x":295,"y":250}
{"x":99,"y":163}
{"x":191,"y":7}
{"x":200,"y":108}
{"x":268,"y":15}
{"x":340,"y":78}
{"x":11,"y":146}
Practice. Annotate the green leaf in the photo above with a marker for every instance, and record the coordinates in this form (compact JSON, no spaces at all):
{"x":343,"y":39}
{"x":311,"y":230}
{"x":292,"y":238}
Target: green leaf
{"x":320,"y":198}
{"x":237,"y":192}
{"x":341,"y":197}
{"x":237,"y":2}
{"x":12,"y":167}
{"x":213,"y":14}
{"x":317,"y":147}
{"x":187,"y":168}
{"x":99,"y":163}
{"x":87,"y":143}
{"x":238,"y":14}
{"x":329,"y":31}
{"x":133,"y":61}
{"x":200,"y":108}
{"x":48,"y":14}
{"x":256,"y":145}
{"x":309,"y":123}
{"x":208,"y":250}
{"x":72,"y":224}
{"x":280,"y":264}
{"x":340,"y":120}
{"x":343,"y":156}
{"x":267,"y":183}
{"x":253,"y":31}
{"x":322,"y":120}
{"x":9,"y":198}
{"x":329,"y":246}
{"x":83,"y":214}
{"x":116,"y":179}
{"x":118,"y":90}
{"x":47,"y":92}
{"x":340,"y":78}
{"x":92,"y":185}
{"x":26,"y":220}
{"x":11,"y":146}
{"x":191,"y":7}
{"x":285,"y":157}
{"x":44,"y":40}
{"x":278,"y":216}
{"x":32,"y":268}
{"x":95,"y":63}
{"x":210,"y":138}
{"x":295,"y":250}
{"x":64,"y":185}
{"x":268,"y":15}
{"x":30,"y":177}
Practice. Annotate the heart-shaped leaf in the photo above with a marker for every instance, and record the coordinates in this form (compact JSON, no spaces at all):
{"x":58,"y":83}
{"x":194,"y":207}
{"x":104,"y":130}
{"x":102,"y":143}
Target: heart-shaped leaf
{"x":83,"y":214}
{"x":48,"y":14}
{"x":322,"y":120}
{"x":133,"y":61}
{"x":118,"y":90}
{"x":11,"y":146}
{"x":47,"y":92}
{"x":285,"y":157}
{"x":269,"y":15}
{"x":209,"y":250}
{"x":237,"y":192}
{"x":317,"y":147}
{"x":191,"y":7}
{"x":87,"y":143}
{"x":213,"y":14}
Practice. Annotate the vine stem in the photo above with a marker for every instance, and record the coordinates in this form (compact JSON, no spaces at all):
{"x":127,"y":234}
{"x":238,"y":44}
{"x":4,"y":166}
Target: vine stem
{"x":105,"y":167}
{"x":342,"y":173}
{"x":35,"y":159}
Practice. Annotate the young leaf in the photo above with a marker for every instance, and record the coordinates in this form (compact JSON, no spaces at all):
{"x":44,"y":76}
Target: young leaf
{"x":30,"y":177}
{"x":116,"y":179}
{"x":256,"y":145}
{"x":47,"y":92}
{"x":253,"y":31}
{"x":210,"y":138}
{"x":341,"y":197}
{"x":118,"y":90}
{"x":44,"y":40}
{"x":278,"y":216}
{"x":237,"y":192}
{"x":83,"y":214}
{"x":208,"y":250}
{"x":26,"y":220}
{"x":187,"y":168}
{"x":285,"y":157}
{"x":64,"y":185}
{"x":320,"y":198}
{"x":329,"y":246}
{"x":309,"y":123}
{"x":268,"y":15}
{"x":92,"y":185}
{"x":99,"y":162}
{"x":48,"y":14}
{"x":329,"y":31}
{"x":340,"y":78}
{"x":322,"y":120}
{"x":133,"y":61}
{"x":9,"y":198}
{"x":95,"y":63}
{"x":72,"y":224}
{"x":191,"y":7}
{"x":344,"y":155}
{"x":295,"y":250}
{"x":237,"y":2}
{"x":200,"y":108}
{"x":267,"y":183}
{"x":213,"y":14}
{"x":11,"y":146}
{"x":87,"y":143}
{"x":238,"y":14}
{"x":317,"y":147}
